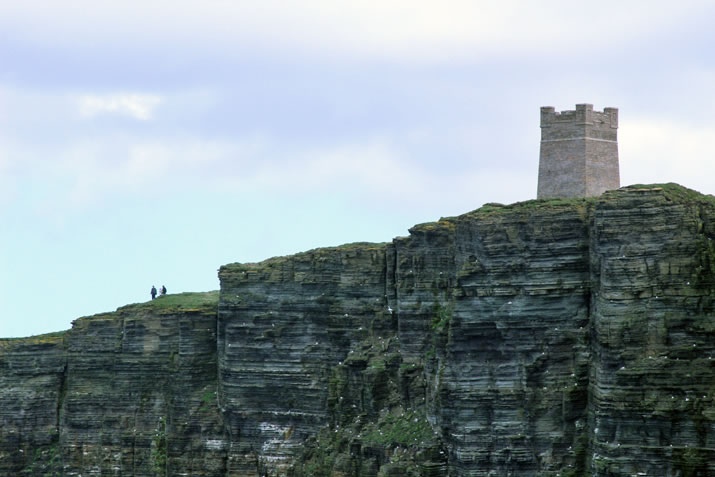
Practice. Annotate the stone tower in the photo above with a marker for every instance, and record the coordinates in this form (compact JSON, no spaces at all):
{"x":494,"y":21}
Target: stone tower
{"x":579,"y":152}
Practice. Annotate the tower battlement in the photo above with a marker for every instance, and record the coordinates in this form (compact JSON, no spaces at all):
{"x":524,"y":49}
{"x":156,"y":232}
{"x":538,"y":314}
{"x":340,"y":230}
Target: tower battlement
{"x":579,"y":152}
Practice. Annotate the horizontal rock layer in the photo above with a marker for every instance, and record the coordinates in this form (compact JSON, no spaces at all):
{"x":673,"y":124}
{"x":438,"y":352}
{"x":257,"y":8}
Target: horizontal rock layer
{"x":545,"y":338}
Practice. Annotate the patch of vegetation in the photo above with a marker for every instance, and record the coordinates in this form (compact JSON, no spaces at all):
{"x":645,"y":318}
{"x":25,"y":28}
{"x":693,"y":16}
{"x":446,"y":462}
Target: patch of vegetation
{"x":397,"y":444}
{"x":377,"y":363}
{"x":672,"y":191}
{"x":407,"y":366}
{"x":309,"y":255}
{"x":405,"y":428}
{"x":319,"y":454}
{"x":691,"y":461}
{"x":370,"y":432}
{"x":159,"y":448}
{"x":318,"y":253}
{"x":704,"y":276}
{"x":442,"y":317}
{"x":676,"y":192}
{"x":179,"y":302}
{"x":444,"y":224}
{"x":580,"y":457}
{"x":46,"y":462}
{"x":532,"y":205}
{"x":208,"y":400}
{"x":441,"y":322}
{"x":356,"y":245}
{"x":54,"y":337}
{"x":602,"y":465}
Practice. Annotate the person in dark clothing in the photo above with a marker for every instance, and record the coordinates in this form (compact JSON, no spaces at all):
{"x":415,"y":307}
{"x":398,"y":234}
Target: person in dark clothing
{"x":153,"y":292}
{"x":163,"y":290}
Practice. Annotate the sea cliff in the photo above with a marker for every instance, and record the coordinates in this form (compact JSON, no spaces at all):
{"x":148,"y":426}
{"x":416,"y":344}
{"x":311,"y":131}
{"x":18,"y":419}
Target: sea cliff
{"x":544,"y":338}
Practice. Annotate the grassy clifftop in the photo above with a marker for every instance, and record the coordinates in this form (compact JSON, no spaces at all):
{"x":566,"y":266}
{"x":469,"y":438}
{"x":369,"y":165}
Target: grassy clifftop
{"x":189,"y":301}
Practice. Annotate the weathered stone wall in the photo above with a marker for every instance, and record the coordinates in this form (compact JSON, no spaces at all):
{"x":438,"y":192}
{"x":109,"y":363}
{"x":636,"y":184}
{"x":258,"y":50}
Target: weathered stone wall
{"x":578,"y":153}
{"x":562,"y":169}
{"x":602,"y":168}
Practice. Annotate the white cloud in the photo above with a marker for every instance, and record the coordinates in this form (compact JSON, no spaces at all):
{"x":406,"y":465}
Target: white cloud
{"x":24,"y":108}
{"x":656,"y":151}
{"x":137,"y":106}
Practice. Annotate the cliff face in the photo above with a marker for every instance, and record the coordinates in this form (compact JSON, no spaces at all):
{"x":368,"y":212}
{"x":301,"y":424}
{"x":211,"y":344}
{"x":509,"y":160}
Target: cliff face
{"x":652,"y":372}
{"x":125,"y":393}
{"x":544,"y":338}
{"x":31,"y":380}
{"x":140,"y":392}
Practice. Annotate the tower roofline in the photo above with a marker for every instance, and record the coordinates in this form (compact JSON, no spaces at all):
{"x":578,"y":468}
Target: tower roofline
{"x":583,"y":114}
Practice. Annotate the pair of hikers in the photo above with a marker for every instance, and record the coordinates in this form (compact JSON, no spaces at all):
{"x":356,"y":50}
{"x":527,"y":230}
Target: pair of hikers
{"x":153,"y":291}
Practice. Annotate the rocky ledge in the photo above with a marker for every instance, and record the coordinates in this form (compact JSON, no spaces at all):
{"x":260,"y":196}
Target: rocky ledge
{"x":544,"y":338}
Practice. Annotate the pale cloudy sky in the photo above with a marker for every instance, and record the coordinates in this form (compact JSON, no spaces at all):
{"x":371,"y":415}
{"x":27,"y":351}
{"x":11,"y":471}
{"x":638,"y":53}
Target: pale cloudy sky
{"x":148,"y":143}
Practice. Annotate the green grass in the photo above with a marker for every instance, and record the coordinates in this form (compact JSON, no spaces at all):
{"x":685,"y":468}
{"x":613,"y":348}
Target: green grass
{"x":37,"y":339}
{"x":273,"y":263}
{"x":532,"y":205}
{"x":407,"y":428}
{"x":676,"y":192}
{"x":442,"y":317}
{"x":159,"y":448}
{"x":444,"y":224}
{"x":189,"y":301}
{"x":671,"y":190}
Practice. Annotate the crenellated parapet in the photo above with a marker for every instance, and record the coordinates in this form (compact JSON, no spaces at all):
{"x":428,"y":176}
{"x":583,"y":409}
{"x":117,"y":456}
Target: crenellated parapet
{"x":581,"y":122}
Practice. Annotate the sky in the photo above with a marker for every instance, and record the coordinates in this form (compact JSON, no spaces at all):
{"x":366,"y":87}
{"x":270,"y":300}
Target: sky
{"x":149,"y":143}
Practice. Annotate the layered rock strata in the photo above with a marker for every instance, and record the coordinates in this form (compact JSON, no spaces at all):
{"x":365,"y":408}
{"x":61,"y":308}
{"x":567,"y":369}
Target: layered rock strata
{"x":283,"y":327}
{"x":127,"y":393}
{"x":652,"y":371}
{"x":32,"y":376}
{"x":140,"y":393}
{"x":545,"y":338}
{"x":513,"y":319}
